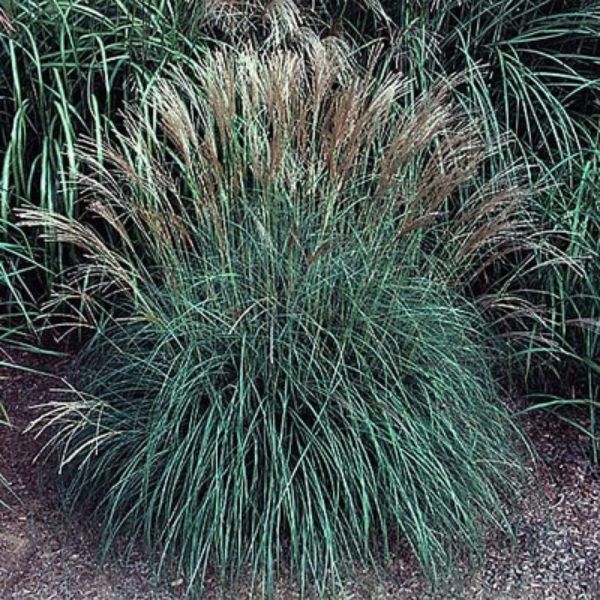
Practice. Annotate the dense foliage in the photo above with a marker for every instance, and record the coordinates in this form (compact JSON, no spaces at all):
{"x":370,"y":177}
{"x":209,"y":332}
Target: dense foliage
{"x":287,"y":373}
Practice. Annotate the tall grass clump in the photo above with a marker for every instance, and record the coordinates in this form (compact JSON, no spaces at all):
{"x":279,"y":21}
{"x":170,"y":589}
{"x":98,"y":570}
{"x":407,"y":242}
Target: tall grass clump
{"x":286,"y":374}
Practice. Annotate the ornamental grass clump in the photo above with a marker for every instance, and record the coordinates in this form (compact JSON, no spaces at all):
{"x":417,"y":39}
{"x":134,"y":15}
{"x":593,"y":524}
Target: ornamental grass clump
{"x":286,"y":375}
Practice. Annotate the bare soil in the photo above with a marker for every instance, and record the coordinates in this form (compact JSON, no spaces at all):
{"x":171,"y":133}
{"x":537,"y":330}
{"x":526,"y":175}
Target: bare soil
{"x":46,"y":554}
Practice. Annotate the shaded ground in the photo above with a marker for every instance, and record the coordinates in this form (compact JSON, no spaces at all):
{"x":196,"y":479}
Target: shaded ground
{"x":44,"y":555}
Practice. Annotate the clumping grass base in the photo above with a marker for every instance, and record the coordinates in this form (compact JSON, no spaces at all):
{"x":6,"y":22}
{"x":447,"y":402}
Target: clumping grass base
{"x":327,"y":424}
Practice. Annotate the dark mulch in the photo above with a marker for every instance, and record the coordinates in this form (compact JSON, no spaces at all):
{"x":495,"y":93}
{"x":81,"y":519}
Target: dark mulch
{"x":45,"y":554}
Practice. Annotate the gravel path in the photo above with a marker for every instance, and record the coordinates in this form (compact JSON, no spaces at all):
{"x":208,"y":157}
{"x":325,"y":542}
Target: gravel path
{"x":44,"y":555}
